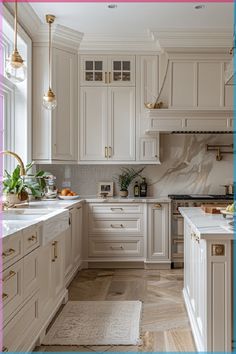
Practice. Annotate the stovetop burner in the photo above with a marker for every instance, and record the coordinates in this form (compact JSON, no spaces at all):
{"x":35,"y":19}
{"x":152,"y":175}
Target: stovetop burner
{"x":201,"y":196}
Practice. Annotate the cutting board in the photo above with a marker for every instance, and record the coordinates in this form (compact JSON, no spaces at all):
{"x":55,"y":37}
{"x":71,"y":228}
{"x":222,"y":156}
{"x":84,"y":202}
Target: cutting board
{"x":213,"y":208}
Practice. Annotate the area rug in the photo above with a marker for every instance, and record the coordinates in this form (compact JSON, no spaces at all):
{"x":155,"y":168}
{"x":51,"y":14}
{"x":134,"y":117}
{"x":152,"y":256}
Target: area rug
{"x":96,"y":323}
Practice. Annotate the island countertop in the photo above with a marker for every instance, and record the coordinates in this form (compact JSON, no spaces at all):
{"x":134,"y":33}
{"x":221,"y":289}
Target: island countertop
{"x":207,"y":226}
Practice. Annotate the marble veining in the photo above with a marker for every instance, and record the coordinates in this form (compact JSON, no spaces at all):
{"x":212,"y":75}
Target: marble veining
{"x":186,"y":167}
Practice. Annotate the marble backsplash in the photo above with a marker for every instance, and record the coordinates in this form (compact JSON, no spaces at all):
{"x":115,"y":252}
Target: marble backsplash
{"x":186,"y":168}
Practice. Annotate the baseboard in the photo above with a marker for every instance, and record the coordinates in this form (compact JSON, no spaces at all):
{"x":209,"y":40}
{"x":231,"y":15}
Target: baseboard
{"x":194,"y":327}
{"x":157,"y":266}
{"x":115,"y":264}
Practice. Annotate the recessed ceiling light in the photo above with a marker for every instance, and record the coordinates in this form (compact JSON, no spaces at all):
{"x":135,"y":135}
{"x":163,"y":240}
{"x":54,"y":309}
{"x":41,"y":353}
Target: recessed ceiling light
{"x":112,"y":6}
{"x":199,"y":7}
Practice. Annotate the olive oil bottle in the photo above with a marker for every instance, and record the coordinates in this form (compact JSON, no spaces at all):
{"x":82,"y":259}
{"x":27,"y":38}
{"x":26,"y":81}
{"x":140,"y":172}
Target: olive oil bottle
{"x":143,"y":188}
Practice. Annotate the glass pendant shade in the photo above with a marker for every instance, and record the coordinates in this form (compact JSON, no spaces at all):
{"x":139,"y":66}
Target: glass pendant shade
{"x":49,"y":100}
{"x":16,"y":69}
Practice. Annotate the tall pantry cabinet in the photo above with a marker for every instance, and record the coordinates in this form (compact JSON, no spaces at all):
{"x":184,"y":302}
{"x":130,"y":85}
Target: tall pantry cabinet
{"x":107,"y":108}
{"x":55,"y":137}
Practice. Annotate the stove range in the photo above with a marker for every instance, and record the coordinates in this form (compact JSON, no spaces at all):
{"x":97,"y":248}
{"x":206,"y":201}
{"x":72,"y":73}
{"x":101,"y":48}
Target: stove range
{"x":201,"y":196}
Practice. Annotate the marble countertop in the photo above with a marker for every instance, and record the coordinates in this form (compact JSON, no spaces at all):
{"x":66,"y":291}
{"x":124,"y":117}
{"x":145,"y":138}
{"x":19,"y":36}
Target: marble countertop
{"x":57,"y":206}
{"x":208,"y":226}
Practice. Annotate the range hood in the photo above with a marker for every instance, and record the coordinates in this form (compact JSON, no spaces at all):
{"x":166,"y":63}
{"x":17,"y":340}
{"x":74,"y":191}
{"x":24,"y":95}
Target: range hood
{"x":229,"y":73}
{"x":190,"y":121}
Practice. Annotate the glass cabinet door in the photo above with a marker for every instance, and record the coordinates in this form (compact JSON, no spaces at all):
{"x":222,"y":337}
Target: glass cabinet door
{"x":93,"y":71}
{"x":122,"y":71}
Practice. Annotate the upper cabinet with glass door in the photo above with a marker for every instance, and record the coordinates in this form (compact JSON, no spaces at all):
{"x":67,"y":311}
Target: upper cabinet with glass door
{"x":107,"y":70}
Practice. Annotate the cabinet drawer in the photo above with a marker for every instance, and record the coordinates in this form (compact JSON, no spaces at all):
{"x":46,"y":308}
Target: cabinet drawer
{"x":12,"y":249}
{"x":30,"y":273}
{"x":119,"y":247}
{"x":106,"y":208}
{"x":118,"y":225}
{"x":18,"y":334}
{"x":30,"y":239}
{"x":12,"y":295}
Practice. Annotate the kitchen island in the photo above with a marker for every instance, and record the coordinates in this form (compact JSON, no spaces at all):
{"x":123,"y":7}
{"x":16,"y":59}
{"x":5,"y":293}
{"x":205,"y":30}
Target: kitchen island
{"x":208,"y":278}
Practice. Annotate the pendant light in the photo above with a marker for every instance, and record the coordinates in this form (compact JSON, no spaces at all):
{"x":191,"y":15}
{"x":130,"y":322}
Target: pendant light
{"x":15,"y":69}
{"x":49,"y":98}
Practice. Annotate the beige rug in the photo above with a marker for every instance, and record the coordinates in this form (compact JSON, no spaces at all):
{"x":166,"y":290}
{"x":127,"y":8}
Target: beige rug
{"x":96,"y":323}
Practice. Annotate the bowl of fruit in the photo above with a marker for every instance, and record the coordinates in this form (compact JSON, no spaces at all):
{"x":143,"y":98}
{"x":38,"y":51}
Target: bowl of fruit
{"x":67,"y":194}
{"x":230,"y":211}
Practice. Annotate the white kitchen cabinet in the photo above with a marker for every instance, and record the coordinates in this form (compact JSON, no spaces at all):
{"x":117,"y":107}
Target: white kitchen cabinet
{"x":149,"y":149}
{"x":158,"y":239}
{"x":147,"y":86}
{"x":197,"y":82}
{"x":55,"y":132}
{"x":73,"y":244}
{"x":207,"y":280}
{"x":107,"y":124}
{"x":115,"y":232}
{"x":51,"y":276}
{"x":113,"y":70}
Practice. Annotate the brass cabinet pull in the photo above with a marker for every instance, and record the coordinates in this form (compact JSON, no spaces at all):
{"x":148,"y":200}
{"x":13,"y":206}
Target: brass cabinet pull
{"x":9,"y":276}
{"x":106,"y":152}
{"x":110,"y":152}
{"x":120,"y":226}
{"x":8,"y":252}
{"x":109,"y":77}
{"x":4,"y":296}
{"x":158,"y":206}
{"x":113,"y":209}
{"x":55,"y":250}
{"x":32,"y":238}
{"x":116,"y":248}
{"x":106,"y":78}
{"x":5,"y":349}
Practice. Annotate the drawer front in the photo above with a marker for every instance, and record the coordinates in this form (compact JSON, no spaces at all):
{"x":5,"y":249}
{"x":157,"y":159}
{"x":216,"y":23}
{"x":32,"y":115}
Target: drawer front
{"x":30,"y":273}
{"x":116,"y":248}
{"x":12,"y":284}
{"x":30,"y":239}
{"x":116,"y":225}
{"x":12,"y":249}
{"x":18,"y":334}
{"x":106,"y":208}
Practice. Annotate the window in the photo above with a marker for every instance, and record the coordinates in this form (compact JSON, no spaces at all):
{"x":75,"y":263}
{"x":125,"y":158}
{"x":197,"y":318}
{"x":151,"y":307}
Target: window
{"x":15,"y":100}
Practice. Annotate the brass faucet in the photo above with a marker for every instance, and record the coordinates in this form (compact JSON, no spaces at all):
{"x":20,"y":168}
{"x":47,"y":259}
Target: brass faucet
{"x":17,"y":157}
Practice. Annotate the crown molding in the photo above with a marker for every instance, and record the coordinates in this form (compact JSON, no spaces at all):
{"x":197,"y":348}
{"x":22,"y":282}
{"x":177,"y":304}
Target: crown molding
{"x":108,"y":42}
{"x":194,"y":40}
{"x":61,"y":35}
{"x":38,"y":31}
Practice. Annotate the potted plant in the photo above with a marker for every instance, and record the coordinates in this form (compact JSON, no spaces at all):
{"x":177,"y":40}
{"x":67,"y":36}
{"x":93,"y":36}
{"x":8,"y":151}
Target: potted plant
{"x":125,"y":179}
{"x":16,"y":188}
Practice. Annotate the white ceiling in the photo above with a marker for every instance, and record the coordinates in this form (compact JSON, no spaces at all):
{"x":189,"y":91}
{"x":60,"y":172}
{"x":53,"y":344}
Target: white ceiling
{"x":131,"y":18}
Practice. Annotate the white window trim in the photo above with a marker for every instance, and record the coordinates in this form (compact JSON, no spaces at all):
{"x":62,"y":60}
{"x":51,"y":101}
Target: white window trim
{"x":10,"y":19}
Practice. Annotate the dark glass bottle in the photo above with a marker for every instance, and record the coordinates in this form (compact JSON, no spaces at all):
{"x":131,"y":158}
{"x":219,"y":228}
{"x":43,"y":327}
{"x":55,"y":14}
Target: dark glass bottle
{"x":143,"y":188}
{"x":136,"y":189}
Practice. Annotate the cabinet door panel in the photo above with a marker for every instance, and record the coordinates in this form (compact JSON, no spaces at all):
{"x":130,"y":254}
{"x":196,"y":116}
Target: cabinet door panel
{"x":65,"y":114}
{"x":210,"y":84}
{"x":158,"y":232}
{"x":121,"y":123}
{"x":148,"y":149}
{"x":182,"y":85}
{"x":93,"y":129}
{"x":77,"y":236}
